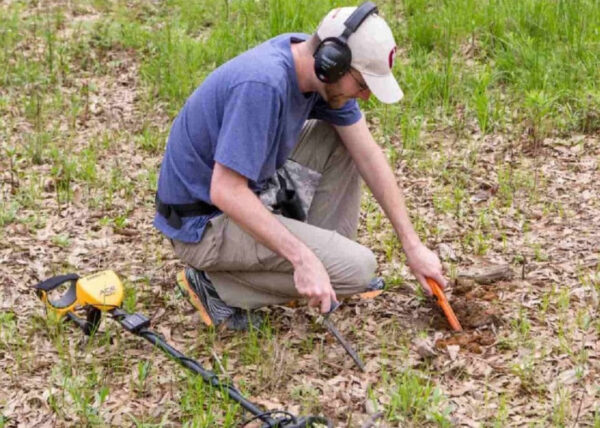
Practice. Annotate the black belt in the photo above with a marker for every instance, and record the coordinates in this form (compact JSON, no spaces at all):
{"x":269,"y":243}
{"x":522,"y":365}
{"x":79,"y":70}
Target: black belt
{"x":174,"y":212}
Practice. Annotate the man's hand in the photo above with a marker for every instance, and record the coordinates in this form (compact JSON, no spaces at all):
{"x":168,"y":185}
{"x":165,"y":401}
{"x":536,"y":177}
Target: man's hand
{"x":230,"y":193}
{"x":425,"y":263}
{"x":311,"y":280}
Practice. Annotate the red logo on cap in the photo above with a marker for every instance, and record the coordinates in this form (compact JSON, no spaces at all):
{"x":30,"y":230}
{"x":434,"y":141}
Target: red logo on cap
{"x":392,"y":57}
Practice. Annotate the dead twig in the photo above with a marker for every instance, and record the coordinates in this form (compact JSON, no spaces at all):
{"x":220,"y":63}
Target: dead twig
{"x":579,"y":409}
{"x":372,"y":419}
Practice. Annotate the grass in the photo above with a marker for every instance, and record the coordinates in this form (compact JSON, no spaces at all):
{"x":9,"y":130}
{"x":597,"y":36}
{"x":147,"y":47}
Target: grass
{"x":415,"y":399}
{"x":477,"y":60}
{"x":524,"y":72}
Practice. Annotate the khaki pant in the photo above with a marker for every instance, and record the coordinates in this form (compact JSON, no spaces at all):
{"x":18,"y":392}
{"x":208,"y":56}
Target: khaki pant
{"x":248,"y":275}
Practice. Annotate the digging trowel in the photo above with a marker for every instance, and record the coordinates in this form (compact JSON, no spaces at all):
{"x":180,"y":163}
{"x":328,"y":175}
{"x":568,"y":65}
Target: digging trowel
{"x":335,"y":332}
{"x":443,"y":302}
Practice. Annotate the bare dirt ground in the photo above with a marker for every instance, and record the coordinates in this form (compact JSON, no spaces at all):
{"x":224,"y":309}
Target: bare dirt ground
{"x":530,"y":344}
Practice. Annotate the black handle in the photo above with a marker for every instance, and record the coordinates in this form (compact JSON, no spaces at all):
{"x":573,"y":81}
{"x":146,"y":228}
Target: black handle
{"x":332,"y":308}
{"x":308,"y":422}
{"x":89,"y":325}
{"x":55,"y":281}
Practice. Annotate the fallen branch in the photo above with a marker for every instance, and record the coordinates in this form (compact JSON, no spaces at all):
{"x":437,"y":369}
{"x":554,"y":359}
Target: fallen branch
{"x":487,"y":274}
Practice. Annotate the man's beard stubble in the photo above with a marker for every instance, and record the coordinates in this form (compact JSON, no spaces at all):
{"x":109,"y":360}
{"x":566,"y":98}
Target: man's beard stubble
{"x":335,"y":97}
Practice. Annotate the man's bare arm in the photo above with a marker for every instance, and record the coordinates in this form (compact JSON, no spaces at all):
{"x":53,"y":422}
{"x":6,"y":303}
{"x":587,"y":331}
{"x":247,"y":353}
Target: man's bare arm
{"x":230,"y":193}
{"x":375,"y":170}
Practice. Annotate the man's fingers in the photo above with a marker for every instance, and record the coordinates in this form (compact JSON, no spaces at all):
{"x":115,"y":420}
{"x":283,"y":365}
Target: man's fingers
{"x":325,"y":304}
{"x":313,"y":301}
{"x":424,"y":284}
{"x":440,"y":280}
{"x":438,"y":277}
{"x":321,"y":296}
{"x":333,"y":296}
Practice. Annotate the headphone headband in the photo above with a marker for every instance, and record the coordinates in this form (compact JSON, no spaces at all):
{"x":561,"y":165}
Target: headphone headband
{"x":333,"y":56}
{"x":357,"y":17}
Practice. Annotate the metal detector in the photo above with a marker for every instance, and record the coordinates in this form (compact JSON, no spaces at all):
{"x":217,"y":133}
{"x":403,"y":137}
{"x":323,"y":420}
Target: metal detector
{"x":103,"y":292}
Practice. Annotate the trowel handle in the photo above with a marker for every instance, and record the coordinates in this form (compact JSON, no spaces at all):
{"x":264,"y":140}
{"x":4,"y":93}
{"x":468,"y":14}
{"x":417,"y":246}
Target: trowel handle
{"x":443,"y":302}
{"x":332,"y":308}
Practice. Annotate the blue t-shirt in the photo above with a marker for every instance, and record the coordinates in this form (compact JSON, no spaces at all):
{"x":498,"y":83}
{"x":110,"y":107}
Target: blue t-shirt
{"x":247,"y":115}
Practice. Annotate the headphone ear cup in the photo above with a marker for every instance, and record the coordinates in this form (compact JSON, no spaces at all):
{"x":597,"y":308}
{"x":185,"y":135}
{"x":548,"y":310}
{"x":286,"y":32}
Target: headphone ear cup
{"x":332,"y":60}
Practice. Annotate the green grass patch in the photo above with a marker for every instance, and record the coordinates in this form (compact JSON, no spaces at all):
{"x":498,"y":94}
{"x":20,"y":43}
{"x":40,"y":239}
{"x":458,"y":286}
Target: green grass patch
{"x":414,"y":398}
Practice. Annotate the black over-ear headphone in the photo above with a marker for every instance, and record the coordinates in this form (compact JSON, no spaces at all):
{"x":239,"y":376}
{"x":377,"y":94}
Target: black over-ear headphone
{"x":333,"y":56}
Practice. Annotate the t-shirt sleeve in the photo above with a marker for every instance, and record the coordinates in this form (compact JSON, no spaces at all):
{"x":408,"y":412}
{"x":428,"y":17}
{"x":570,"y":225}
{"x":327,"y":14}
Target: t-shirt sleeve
{"x":249,"y":128}
{"x":347,"y":115}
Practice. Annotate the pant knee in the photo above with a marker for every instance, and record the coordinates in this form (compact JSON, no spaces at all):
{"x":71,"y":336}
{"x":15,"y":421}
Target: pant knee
{"x":366,"y":266}
{"x":359,"y":270}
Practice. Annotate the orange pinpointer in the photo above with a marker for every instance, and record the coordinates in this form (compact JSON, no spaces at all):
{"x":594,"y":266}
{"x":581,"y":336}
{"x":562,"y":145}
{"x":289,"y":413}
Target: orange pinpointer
{"x":443,"y":302}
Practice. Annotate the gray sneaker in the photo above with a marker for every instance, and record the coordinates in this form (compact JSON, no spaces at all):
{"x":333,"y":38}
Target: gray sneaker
{"x":201,"y":293}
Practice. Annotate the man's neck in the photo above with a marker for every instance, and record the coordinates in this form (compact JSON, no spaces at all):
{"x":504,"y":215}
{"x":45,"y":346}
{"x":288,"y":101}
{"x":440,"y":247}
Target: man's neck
{"x":304,"y":65}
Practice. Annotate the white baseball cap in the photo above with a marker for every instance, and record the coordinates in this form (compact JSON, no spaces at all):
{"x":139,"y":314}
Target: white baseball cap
{"x":373,"y":51}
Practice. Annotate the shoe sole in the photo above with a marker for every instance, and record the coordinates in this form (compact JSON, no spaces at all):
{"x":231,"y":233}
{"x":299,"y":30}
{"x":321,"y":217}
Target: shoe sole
{"x":193,"y":298}
{"x":368,"y":295}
